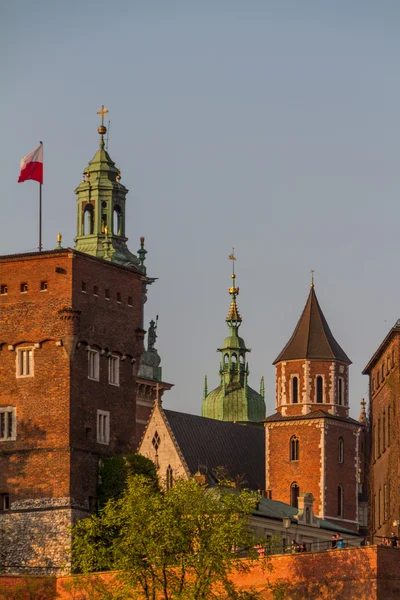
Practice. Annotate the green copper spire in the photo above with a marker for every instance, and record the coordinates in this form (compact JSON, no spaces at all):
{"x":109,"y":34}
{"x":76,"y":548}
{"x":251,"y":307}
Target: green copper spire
{"x":233,"y":399}
{"x":101,"y":210}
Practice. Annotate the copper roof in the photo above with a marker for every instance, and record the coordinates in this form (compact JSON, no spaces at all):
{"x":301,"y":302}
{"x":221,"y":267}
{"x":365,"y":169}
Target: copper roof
{"x":312,"y":337}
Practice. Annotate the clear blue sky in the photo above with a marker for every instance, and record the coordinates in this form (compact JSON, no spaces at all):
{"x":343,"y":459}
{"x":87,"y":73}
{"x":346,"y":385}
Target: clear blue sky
{"x":272,"y":126}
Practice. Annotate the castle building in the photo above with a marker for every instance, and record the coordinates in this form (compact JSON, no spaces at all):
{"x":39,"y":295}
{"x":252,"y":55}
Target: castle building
{"x":71,"y":340}
{"x":312,"y":445}
{"x":149,"y":384}
{"x":383,"y":372}
{"x":234,"y":399}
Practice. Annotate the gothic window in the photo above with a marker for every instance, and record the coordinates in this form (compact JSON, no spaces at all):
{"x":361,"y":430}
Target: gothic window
{"x":294,"y":448}
{"x":226,"y":359}
{"x":103,"y":427}
{"x":7,"y":424}
{"x":88,"y":220}
{"x":156,"y":441}
{"x":113,"y":370}
{"x":384,"y":431}
{"x":234,"y":358}
{"x":25,"y":362}
{"x":294,"y":494}
{"x":319,"y":389}
{"x":340,"y":507}
{"x":169,"y":477}
{"x":341,"y":391}
{"x":341,"y":451}
{"x":295,"y":390}
{"x":94,"y":365}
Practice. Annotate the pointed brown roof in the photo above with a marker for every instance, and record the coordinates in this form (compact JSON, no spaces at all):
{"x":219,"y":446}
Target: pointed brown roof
{"x":312,"y":337}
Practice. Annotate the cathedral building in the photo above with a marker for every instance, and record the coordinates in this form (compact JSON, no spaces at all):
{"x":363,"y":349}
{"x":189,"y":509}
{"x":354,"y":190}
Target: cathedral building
{"x":312,"y":445}
{"x":71,"y":340}
{"x":234,"y":399}
{"x":384,"y":388}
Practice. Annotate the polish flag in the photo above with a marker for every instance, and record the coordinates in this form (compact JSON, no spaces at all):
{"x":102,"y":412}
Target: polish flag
{"x":32,"y":165}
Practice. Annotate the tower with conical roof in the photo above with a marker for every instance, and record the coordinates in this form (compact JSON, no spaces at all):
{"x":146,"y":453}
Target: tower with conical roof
{"x":101,"y":209}
{"x":312,"y":445}
{"x":234,"y":399}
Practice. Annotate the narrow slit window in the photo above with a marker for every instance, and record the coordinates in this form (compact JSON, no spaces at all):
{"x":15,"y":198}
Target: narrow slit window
{"x":295,"y":390}
{"x":320,"y":389}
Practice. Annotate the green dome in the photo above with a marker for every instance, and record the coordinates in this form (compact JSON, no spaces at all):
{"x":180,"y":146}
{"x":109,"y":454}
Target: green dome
{"x":234,"y":342}
{"x":234,"y":403}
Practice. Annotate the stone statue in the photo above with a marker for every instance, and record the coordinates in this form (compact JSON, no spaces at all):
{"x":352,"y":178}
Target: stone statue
{"x":152,"y":335}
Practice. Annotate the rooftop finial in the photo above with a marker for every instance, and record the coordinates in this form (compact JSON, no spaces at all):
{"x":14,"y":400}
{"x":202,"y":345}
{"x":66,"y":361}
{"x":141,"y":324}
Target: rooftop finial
{"x":102,"y":129}
{"x":59,"y":240}
{"x":363,"y":414}
{"x":142,"y":254}
{"x":233,"y":315}
{"x":312,"y":278}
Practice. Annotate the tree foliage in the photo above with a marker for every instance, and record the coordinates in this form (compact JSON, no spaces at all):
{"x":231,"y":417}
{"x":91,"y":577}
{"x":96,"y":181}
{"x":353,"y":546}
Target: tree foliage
{"x":181,"y":543}
{"x":115,"y":471}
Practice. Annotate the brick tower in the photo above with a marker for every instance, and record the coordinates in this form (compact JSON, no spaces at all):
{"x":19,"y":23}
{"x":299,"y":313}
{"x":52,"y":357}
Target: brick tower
{"x":312,"y":445}
{"x":71,"y":340}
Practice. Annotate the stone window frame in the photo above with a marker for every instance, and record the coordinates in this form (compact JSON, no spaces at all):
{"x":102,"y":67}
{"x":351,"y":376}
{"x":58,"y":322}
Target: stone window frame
{"x":316,"y":389}
{"x":292,"y":378}
{"x":113,"y":369}
{"x":103,"y":427}
{"x":93,"y":364}
{"x":7,"y":411}
{"x":24,"y":362}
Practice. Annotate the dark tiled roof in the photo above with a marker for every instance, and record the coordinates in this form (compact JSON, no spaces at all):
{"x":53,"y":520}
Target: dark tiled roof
{"x":372,"y":362}
{"x":211,"y":443}
{"x":312,"y":337}
{"x":314,"y":414}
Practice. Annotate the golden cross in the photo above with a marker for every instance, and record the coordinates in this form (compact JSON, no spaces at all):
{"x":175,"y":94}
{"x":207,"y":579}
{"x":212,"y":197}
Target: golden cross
{"x":312,"y":277}
{"x":102,"y":112}
{"x":232,"y":257}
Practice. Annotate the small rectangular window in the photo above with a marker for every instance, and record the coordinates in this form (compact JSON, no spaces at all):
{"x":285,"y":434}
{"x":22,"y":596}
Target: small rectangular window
{"x":107,"y":294}
{"x":23,"y":288}
{"x":7,"y":424}
{"x":43,"y":286}
{"x":129,"y":300}
{"x":94,"y":365}
{"x":83,"y":287}
{"x":3,"y":288}
{"x":95,"y":290}
{"x":25,"y":362}
{"x":113,"y":370}
{"x":103,"y":427}
{"x":118,"y":298}
{"x":4,"y":502}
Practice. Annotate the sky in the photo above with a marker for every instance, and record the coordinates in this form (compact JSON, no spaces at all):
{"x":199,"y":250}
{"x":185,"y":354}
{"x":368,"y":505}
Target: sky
{"x":270,"y":126}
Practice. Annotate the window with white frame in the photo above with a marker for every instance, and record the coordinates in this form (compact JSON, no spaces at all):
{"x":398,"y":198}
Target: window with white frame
{"x":94,"y":365}
{"x":25,"y":362}
{"x":113,"y":370}
{"x":103,"y":427}
{"x":8,"y":426}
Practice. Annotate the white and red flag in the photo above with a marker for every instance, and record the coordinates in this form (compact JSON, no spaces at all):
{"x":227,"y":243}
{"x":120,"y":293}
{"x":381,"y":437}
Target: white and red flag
{"x":32,"y":165}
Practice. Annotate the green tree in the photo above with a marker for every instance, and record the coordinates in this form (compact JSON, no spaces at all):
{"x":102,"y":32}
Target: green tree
{"x":114,"y":472}
{"x":182,"y":543}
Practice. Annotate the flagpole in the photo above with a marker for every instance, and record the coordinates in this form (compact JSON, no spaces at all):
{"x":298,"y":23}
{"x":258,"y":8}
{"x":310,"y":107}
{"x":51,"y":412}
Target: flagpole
{"x":40,"y":217}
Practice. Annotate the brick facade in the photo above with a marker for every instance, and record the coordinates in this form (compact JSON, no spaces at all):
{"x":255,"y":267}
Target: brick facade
{"x":73,"y":303}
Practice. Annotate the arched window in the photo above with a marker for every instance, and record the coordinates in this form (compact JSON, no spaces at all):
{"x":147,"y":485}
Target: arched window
{"x":117,"y":221}
{"x":340,"y":501}
{"x":226,"y":359}
{"x":320,"y":389}
{"x":294,"y":448}
{"x":341,"y":391}
{"x":241,"y":359}
{"x":295,"y":390}
{"x":234,"y":358}
{"x":294,"y":494}
{"x":169,"y":477}
{"x":88,"y":220}
{"x":341,"y":451}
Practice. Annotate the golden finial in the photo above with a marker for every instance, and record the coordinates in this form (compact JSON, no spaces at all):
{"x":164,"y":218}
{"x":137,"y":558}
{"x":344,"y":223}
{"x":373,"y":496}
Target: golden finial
{"x":119,"y":175}
{"x":233,"y":290}
{"x":106,"y":230}
{"x":59,"y":238}
{"x":102,"y":112}
{"x":312,"y":278}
